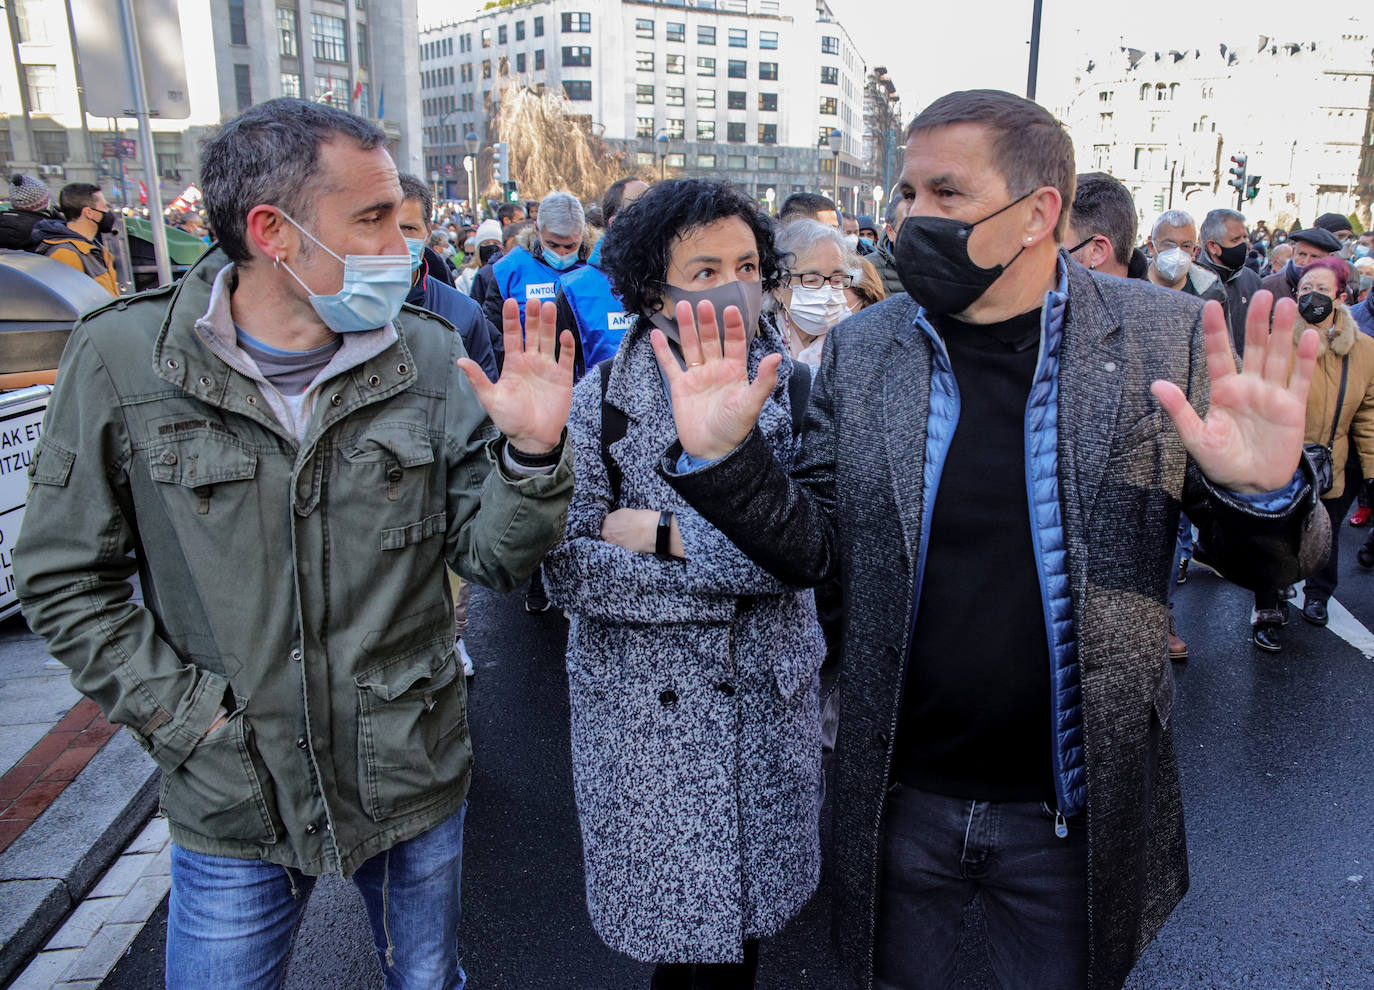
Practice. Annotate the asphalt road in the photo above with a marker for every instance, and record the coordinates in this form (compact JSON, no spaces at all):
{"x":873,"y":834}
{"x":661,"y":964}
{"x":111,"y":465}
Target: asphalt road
{"x":1275,"y":753}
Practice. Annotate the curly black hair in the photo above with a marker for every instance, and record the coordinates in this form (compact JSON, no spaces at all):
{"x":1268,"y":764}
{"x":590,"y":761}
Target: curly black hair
{"x":636,"y":250}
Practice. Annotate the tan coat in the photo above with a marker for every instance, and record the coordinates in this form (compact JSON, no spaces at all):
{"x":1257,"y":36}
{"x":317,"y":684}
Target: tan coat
{"x":1355,"y":424}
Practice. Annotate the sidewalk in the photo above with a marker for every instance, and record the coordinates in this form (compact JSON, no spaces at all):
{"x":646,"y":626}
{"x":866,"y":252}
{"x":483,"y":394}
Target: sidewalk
{"x":73,"y":792}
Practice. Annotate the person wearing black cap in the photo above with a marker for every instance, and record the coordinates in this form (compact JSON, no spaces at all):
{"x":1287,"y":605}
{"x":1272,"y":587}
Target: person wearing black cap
{"x":1308,"y":246}
{"x":1340,"y":228}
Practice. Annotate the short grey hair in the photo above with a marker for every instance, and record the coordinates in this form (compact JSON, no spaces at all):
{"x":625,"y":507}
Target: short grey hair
{"x":270,"y":155}
{"x":1214,"y":224}
{"x":1172,"y":218}
{"x":437,"y":239}
{"x":802,"y":236}
{"x":561,"y":213}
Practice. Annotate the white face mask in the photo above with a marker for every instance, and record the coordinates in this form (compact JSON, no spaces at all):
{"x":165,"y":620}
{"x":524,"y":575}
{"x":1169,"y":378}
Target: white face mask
{"x":815,"y":311}
{"x":851,"y":241}
{"x":1173,"y":264}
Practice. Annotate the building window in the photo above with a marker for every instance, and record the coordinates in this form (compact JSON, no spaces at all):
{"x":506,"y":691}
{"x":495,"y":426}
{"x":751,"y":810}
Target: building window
{"x":644,"y":61}
{"x":33,"y":21}
{"x":675,"y":31}
{"x":768,"y":163}
{"x":539,"y":27}
{"x":332,"y":90}
{"x":520,"y":62}
{"x":830,"y":75}
{"x":51,"y":146}
{"x":706,"y":130}
{"x":519,"y":30}
{"x":577,"y":55}
{"x":291,"y":84}
{"x":739,"y":38}
{"x":706,"y":161}
{"x":675,"y":96}
{"x":768,"y":101}
{"x":286,"y":33}
{"x":706,"y":66}
{"x":737,"y":68}
{"x":501,"y":35}
{"x":676,"y":160}
{"x":328,"y":37}
{"x":734,"y":131}
{"x":644,"y":94}
{"x":675,"y":65}
{"x":577,"y":89}
{"x":735,"y":100}
{"x":42,"y":80}
{"x":539,"y":60}
{"x":644,"y":158}
{"x":577,"y":22}
{"x":768,"y":70}
{"x":465,"y":43}
{"x":830,"y":45}
{"x":705,"y":35}
{"x":768,"y":40}
{"x":364,"y":61}
{"x":736,"y":161}
{"x":706,"y":99}
{"x":486,"y":68}
{"x":644,"y":27}
{"x":465,"y":72}
{"x":830,"y":106}
{"x":768,"y":133}
{"x":644,"y":127}
{"x":486,"y":37}
{"x":238,"y":24}
{"x":675,"y":129}
{"x":243,"y":86}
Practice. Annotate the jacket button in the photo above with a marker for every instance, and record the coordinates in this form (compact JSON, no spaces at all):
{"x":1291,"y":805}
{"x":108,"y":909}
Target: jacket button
{"x":395,"y":474}
{"x":302,"y":742}
{"x":205,"y":380}
{"x":402,"y":369}
{"x":880,"y":740}
{"x":336,"y":399}
{"x":296,"y":655}
{"x":311,"y":829}
{"x":668,"y":698}
{"x":168,"y":457}
{"x":252,"y":400}
{"x":726,"y":688}
{"x":374,"y":381}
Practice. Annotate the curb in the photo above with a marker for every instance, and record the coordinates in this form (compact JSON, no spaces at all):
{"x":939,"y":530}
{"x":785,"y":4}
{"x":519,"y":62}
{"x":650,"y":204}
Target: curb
{"x":48,"y":869}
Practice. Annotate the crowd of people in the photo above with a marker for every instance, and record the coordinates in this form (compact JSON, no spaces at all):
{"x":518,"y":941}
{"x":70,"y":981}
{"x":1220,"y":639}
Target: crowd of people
{"x":771,"y":469}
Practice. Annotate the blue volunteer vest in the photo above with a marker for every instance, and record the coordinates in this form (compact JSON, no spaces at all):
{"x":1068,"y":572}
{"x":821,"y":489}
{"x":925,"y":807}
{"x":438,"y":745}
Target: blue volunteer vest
{"x":522,"y":277}
{"x":601,"y":318}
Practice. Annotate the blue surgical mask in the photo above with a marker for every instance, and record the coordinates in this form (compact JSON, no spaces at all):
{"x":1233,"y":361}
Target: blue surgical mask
{"x":559,"y":262}
{"x":417,"y":251}
{"x":374,"y":288}
{"x":1362,"y":250}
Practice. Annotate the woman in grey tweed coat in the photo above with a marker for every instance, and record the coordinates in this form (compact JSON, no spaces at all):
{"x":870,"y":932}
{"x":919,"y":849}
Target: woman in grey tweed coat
{"x":692,"y":673}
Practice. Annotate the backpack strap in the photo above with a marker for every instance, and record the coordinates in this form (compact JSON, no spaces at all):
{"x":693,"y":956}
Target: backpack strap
{"x":613,"y":427}
{"x":798,"y":393}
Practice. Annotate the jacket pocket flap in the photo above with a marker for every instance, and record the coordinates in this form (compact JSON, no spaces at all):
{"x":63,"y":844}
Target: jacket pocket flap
{"x":399,"y":537}
{"x":52,"y":464}
{"x":392,"y":441}
{"x":201,"y":462}
{"x":389,"y":682}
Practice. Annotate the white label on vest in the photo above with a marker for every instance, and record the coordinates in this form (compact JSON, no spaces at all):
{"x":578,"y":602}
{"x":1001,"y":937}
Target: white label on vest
{"x":620,"y":321}
{"x":544,"y":290}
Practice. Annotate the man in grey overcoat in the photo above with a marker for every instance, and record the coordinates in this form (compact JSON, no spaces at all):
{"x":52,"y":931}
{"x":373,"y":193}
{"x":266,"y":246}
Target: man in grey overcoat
{"x":993,"y":465}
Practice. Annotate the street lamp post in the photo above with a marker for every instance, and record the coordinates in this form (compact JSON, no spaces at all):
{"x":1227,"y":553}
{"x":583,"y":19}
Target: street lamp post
{"x":661,"y":139}
{"x":472,"y":142}
{"x":878,"y":193}
{"x":834,"y":139}
{"x":770,"y":194}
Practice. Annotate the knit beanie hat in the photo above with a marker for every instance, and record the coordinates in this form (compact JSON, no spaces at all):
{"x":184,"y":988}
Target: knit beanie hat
{"x":28,"y":193}
{"x":490,"y":230}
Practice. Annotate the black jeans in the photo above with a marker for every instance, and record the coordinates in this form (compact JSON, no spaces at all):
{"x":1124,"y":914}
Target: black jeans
{"x":941,"y":852}
{"x":709,"y":976}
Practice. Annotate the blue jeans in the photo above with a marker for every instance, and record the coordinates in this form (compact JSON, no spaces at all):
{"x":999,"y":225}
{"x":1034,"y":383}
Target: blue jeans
{"x":231,"y":922}
{"x":941,"y":852}
{"x":1183,"y":550}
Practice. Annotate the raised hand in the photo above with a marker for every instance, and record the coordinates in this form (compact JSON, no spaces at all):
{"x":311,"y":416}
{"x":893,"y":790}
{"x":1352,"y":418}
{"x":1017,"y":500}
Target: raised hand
{"x":1251,"y":438}
{"x":714,"y":403}
{"x":529,"y":403}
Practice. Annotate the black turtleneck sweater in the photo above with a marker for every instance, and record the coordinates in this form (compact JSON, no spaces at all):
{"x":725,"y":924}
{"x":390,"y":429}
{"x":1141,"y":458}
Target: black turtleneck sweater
{"x":976,"y":713}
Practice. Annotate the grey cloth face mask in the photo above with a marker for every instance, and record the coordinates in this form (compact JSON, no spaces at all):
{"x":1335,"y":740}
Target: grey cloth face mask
{"x":746,"y":296}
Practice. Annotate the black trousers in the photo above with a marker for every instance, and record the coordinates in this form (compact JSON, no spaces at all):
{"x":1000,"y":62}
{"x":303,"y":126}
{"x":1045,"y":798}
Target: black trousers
{"x":709,"y":976}
{"x":1322,"y":585}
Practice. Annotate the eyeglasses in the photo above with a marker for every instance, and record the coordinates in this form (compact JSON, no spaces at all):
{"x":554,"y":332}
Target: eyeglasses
{"x":814,"y":280}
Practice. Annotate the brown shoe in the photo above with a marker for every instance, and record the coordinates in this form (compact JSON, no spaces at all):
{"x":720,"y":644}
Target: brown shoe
{"x":1178,"y":650}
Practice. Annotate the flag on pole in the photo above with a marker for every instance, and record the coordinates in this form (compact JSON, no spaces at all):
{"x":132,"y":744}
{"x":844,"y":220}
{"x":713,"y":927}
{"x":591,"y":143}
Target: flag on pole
{"x":357,"y":90}
{"x":381,"y":102}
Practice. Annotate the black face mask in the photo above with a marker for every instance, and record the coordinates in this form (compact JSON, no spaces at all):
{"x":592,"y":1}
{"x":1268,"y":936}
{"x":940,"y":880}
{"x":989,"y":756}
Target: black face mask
{"x":934,"y":265}
{"x":107,"y":222}
{"x":1232,"y":258}
{"x":1314,"y":306}
{"x":485,"y":252}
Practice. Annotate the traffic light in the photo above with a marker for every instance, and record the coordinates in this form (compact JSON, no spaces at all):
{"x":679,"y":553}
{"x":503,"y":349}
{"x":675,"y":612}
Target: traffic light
{"x":1237,"y":180}
{"x":512,"y":191}
{"x":500,"y":162}
{"x":1252,"y":186}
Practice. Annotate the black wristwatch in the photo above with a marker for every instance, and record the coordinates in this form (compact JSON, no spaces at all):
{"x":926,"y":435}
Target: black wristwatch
{"x":663,"y":543}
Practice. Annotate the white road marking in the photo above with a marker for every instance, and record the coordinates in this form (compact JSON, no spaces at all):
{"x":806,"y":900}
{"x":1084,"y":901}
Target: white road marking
{"x":1348,"y":628}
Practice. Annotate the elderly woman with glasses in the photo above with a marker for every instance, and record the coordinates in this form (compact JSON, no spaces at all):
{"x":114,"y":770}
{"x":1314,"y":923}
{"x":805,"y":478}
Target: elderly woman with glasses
{"x":692,"y":672}
{"x":811,"y":299}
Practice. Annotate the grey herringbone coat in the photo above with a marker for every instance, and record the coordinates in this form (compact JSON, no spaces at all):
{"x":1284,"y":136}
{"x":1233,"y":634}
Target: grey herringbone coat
{"x":693,"y":689}
{"x":854,"y":507}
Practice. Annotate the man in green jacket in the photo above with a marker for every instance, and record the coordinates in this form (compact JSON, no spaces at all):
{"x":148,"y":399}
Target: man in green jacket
{"x":289,"y":457}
